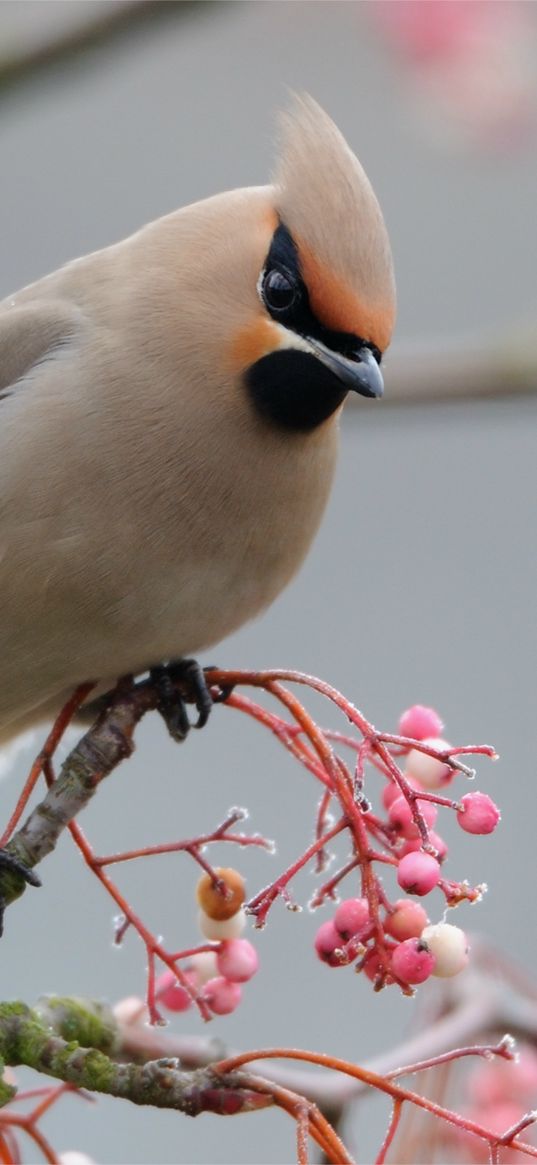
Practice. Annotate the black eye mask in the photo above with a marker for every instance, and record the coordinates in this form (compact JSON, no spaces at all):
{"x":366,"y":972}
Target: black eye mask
{"x":286,"y":298}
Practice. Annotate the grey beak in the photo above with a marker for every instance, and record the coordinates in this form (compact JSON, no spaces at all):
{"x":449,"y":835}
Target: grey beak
{"x":359,"y":374}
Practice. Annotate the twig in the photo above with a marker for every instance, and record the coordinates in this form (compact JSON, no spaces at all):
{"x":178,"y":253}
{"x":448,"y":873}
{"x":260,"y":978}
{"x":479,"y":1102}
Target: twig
{"x":463,"y":368}
{"x":88,"y":30}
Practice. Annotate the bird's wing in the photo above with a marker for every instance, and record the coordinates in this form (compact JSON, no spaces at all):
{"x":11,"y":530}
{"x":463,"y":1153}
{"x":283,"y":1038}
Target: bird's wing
{"x":30,"y":334}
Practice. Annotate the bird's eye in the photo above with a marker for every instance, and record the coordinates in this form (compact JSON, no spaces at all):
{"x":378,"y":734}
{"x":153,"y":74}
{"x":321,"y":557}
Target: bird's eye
{"x":280,"y":291}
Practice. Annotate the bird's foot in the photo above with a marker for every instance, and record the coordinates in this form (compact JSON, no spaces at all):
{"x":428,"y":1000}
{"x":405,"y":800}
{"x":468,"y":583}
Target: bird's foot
{"x":14,"y":865}
{"x":179,"y":683}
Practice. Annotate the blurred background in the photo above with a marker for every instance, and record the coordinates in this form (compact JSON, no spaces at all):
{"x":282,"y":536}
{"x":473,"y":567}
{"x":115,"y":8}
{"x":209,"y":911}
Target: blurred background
{"x":422,"y":584}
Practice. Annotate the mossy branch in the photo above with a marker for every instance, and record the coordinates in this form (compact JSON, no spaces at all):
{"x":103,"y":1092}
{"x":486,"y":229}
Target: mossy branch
{"x":76,"y":1041}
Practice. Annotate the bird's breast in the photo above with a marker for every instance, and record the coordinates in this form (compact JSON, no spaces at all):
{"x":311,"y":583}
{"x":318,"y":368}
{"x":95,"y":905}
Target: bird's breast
{"x":238,"y":527}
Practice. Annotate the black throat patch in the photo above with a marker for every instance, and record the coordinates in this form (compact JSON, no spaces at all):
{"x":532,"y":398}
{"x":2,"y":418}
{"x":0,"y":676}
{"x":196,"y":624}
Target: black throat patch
{"x":294,"y":390}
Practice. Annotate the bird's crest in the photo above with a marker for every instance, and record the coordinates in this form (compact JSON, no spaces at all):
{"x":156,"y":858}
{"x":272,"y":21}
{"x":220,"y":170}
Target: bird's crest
{"x":326,"y":201}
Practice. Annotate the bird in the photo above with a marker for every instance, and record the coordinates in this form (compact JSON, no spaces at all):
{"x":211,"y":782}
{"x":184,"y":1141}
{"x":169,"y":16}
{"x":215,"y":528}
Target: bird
{"x":169,"y":414}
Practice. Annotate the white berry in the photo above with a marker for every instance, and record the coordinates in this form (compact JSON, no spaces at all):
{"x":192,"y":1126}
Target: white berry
{"x":449,"y":945}
{"x":430,"y":773}
{"x":217,"y":929}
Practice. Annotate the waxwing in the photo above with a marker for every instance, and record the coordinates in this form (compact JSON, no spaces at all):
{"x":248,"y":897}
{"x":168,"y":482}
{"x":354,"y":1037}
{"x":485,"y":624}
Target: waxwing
{"x":168,"y":420}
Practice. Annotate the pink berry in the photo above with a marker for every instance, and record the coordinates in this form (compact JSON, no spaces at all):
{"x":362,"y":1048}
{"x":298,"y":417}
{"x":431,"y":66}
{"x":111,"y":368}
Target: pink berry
{"x":222,"y":996}
{"x":407,"y":921}
{"x":439,"y":844}
{"x":418,"y":873}
{"x":419,"y":722}
{"x":351,"y":919}
{"x":479,"y":814}
{"x":372,"y":967}
{"x":414,"y":843}
{"x":412,"y":961}
{"x":389,"y":793}
{"x":327,"y":942}
{"x":410,"y":846}
{"x":237,"y":960}
{"x":400,"y":816}
{"x":429,"y":772}
{"x":170,"y":993}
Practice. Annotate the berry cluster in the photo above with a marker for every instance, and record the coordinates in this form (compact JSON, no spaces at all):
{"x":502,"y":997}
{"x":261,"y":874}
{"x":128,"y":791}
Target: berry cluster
{"x":395,"y":941}
{"x":216,"y":973}
{"x":421,"y":950}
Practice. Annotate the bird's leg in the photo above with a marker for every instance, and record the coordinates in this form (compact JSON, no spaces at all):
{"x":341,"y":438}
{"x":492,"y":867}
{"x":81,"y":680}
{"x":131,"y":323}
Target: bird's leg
{"x":180,"y":682}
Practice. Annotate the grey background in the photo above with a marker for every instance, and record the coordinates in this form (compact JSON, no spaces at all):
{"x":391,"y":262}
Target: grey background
{"x":421,"y":585}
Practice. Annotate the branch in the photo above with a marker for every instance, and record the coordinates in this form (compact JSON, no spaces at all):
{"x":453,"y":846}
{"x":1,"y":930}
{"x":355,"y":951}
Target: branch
{"x":464,"y":368}
{"x":74,"y":1042}
{"x":77,"y":1042}
{"x":52,"y":1038}
{"x":83,"y":29}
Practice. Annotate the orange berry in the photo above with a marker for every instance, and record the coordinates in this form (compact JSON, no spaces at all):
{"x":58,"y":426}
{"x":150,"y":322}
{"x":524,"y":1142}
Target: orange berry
{"x":221,"y":902}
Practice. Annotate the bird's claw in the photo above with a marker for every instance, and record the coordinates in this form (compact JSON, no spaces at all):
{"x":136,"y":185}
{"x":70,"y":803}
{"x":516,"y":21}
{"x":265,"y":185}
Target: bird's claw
{"x":180,"y":682}
{"x":14,"y":865}
{"x":9,"y":861}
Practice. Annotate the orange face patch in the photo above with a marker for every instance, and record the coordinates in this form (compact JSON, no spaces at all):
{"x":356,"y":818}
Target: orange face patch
{"x":336,"y":305}
{"x":256,"y":339}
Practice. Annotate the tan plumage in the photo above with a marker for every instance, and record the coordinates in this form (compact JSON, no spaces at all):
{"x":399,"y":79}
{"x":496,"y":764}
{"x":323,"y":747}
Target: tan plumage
{"x":148,"y":507}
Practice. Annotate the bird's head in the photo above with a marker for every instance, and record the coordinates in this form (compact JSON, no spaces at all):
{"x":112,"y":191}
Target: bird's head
{"x":325,"y":298}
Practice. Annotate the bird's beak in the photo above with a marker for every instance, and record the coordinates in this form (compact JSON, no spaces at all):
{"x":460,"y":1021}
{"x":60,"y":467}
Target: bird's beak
{"x":359,"y":373}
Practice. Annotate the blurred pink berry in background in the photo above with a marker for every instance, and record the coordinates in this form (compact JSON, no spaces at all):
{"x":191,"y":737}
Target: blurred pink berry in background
{"x":237,"y":960}
{"x":222,"y":996}
{"x":500,"y":1118}
{"x":170,"y":993}
{"x":471,"y":63}
{"x":494,"y":1081}
{"x":501,"y":1092}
